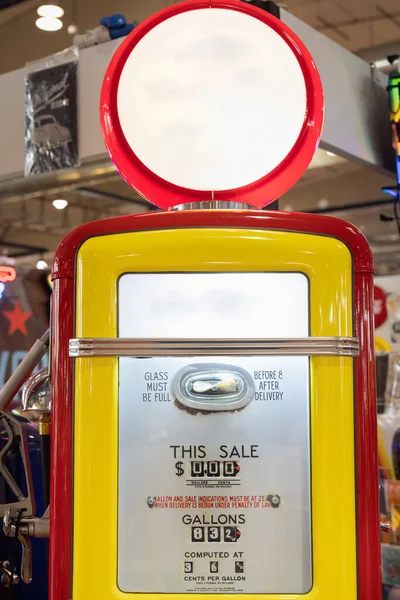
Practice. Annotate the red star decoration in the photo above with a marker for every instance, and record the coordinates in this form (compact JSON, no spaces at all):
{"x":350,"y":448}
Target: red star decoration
{"x":17,"y":319}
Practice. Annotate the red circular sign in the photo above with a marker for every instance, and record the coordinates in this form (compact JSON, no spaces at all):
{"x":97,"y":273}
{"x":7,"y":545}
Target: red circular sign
{"x":380,"y":307}
{"x":223,"y":104}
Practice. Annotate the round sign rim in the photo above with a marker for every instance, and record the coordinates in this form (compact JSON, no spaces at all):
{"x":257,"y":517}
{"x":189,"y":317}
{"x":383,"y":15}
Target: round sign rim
{"x":260,"y":193}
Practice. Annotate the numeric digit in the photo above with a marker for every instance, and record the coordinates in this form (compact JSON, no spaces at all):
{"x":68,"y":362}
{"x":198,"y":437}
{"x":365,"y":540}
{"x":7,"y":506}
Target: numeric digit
{"x":197,"y":534}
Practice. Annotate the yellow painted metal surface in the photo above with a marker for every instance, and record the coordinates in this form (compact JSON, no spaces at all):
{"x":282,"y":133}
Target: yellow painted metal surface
{"x":327,"y":263}
{"x":388,"y":425}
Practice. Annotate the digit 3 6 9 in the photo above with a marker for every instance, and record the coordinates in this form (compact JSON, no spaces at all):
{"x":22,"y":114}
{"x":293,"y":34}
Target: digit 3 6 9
{"x":215,"y":534}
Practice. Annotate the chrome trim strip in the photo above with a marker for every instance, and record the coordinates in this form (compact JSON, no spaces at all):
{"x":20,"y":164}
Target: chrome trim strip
{"x":142,"y":348}
{"x":213,"y":205}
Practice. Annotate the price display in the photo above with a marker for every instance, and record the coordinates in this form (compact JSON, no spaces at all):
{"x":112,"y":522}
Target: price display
{"x":214,"y":468}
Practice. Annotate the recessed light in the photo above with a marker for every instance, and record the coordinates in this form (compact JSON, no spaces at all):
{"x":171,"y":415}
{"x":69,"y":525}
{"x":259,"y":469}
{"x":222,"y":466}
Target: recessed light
{"x":329,"y":153}
{"x":48,"y":24}
{"x":41,"y":265}
{"x":50,"y":9}
{"x":60,"y":203}
{"x":323,"y":203}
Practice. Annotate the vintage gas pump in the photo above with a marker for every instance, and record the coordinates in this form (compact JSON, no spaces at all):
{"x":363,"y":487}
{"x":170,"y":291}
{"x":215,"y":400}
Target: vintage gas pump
{"x":213,"y":383}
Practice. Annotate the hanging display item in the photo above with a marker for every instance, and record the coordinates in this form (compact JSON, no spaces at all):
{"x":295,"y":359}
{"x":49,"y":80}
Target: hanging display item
{"x":51,"y":129}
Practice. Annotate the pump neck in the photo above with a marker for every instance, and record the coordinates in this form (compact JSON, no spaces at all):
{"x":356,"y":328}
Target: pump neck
{"x":213,"y":205}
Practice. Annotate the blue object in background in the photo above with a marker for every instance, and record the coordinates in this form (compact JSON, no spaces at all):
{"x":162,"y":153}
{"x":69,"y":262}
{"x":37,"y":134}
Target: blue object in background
{"x":38,"y":589}
{"x":117,"y":25}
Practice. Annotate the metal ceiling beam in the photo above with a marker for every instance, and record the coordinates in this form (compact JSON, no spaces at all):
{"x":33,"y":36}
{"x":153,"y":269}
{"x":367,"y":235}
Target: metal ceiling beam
{"x":94,"y":193}
{"x":22,"y":246}
{"x":26,"y":250}
{"x":36,"y":186}
{"x":353,"y":206}
{"x":34,"y":239}
{"x":23,"y":253}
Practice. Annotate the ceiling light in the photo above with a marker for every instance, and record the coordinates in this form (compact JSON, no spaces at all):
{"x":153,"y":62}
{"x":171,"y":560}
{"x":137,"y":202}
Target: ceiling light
{"x":48,"y":24}
{"x":41,"y":264}
{"x":60,"y":204}
{"x":381,"y":64}
{"x":50,"y":10}
{"x":323,"y":203}
{"x":72,"y":29}
{"x":330,"y":153}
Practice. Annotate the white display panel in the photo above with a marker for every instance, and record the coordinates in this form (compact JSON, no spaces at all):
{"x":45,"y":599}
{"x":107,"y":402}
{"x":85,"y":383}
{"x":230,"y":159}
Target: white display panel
{"x":212,"y":99}
{"x":214,"y":502}
{"x":210,"y":305}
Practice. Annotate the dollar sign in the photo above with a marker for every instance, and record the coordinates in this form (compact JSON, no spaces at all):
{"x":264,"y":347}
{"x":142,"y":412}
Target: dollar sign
{"x":179,"y":469}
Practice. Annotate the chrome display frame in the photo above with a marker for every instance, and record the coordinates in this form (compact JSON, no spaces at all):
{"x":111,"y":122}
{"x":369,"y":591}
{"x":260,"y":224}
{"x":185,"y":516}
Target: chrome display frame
{"x":151,"y":347}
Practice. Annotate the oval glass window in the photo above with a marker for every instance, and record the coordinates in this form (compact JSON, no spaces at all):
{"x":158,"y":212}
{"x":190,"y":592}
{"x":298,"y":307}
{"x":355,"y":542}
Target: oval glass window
{"x":213,"y":387}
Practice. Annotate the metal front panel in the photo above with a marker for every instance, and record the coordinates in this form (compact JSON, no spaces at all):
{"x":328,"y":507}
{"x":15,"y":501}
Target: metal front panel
{"x":215,"y":502}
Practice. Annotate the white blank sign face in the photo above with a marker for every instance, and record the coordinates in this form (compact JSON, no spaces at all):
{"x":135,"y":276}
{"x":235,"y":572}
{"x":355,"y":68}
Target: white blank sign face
{"x":211,"y":99}
{"x":212,"y":305}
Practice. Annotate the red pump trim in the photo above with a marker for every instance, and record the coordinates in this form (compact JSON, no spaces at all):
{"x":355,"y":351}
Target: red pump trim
{"x":60,"y":554}
{"x":368,"y":514}
{"x":259,"y":193}
{"x":64,"y":261}
{"x":365,"y":414}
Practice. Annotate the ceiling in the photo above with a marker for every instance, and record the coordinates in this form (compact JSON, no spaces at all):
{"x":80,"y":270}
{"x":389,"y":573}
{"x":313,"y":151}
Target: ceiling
{"x":354,"y":24}
{"x":357,"y":25}
{"x":7,"y":3}
{"x":31,"y":226}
